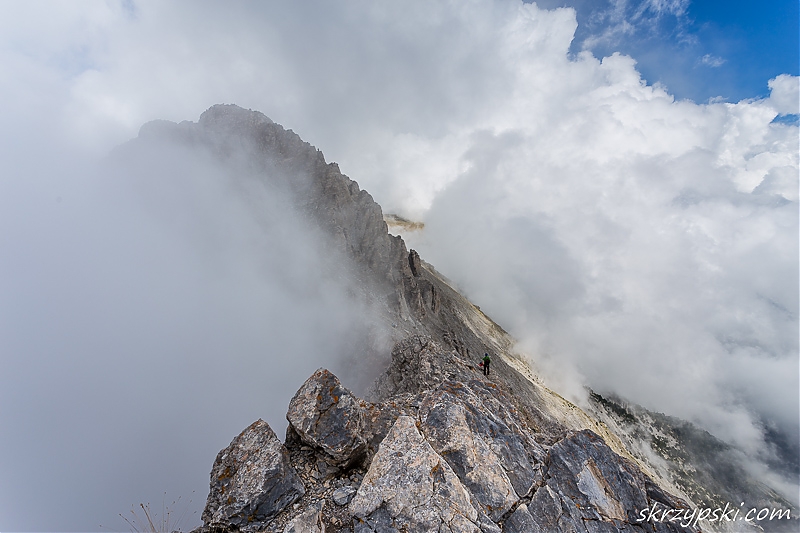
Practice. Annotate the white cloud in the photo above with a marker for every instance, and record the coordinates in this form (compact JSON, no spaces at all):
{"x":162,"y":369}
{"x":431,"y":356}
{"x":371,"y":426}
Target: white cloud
{"x":643,"y":241}
{"x":610,"y":23}
{"x":785,"y":94}
{"x":152,"y":309}
{"x":673,"y":7}
{"x":647,"y":244}
{"x":712,"y":61}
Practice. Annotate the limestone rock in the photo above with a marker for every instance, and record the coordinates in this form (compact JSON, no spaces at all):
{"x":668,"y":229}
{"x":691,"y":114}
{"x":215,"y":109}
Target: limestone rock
{"x":418,"y":363}
{"x":453,"y":429}
{"x":409,"y":487}
{"x":544,"y":513}
{"x":328,"y":416}
{"x":343,"y":495}
{"x":252,"y":480}
{"x":495,"y":416}
{"x":486,"y":524}
{"x":495,"y":427}
{"x":590,"y":484}
{"x":521,"y":521}
{"x":414,"y":263}
{"x":309,"y":521}
{"x":379,"y":418}
{"x":600,"y":482}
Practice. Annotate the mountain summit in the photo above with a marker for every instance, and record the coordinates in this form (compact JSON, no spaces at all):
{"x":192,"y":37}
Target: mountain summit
{"x":435,"y":444}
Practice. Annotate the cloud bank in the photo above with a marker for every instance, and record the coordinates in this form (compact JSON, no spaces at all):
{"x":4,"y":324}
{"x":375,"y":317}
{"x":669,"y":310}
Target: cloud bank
{"x":154,"y":305}
{"x":632,"y":242}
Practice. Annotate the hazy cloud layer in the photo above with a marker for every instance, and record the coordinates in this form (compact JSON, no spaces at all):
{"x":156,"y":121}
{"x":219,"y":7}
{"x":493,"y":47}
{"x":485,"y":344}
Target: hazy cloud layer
{"x":154,"y":305}
{"x":630,"y":241}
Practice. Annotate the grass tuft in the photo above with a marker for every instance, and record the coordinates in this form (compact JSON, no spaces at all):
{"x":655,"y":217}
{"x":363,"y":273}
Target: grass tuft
{"x":143,"y":519}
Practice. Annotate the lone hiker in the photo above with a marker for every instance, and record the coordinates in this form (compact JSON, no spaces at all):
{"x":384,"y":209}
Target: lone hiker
{"x":486,"y":361}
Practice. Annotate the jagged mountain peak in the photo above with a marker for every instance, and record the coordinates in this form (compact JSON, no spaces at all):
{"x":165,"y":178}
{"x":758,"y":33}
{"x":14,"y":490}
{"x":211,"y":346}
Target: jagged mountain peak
{"x":231,"y":116}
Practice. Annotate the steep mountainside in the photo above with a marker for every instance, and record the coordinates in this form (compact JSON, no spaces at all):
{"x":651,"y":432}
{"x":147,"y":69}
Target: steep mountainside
{"x":435,"y":445}
{"x":703,"y":467}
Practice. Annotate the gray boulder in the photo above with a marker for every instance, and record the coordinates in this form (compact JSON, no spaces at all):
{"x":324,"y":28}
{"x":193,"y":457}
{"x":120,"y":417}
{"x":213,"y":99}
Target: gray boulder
{"x":591,"y":488}
{"x":409,"y":487}
{"x":448,"y":425}
{"x":309,"y":521}
{"x":252,"y":480}
{"x":467,"y":424}
{"x":328,"y":416}
{"x":343,"y":495}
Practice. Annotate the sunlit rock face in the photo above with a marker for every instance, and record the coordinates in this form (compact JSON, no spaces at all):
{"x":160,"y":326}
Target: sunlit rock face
{"x":492,"y":456}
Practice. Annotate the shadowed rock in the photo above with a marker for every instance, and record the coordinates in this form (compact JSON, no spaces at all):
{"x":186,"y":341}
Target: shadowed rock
{"x":309,"y":521}
{"x":521,"y":521}
{"x":591,"y":488}
{"x":252,"y":480}
{"x":326,"y":415}
{"x":414,"y":263}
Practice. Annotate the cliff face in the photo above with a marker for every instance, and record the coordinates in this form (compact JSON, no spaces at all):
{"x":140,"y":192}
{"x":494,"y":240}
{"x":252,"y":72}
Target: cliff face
{"x":435,"y":445}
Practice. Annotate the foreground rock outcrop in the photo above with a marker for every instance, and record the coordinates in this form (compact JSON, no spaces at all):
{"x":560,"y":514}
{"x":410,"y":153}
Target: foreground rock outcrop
{"x":252,"y":480}
{"x":443,"y":455}
{"x":327,"y":416}
{"x":410,"y":487}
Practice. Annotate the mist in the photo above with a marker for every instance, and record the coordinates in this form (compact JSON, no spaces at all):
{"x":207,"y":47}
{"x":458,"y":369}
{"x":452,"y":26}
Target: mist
{"x":631,"y":241}
{"x":156,"y":303}
{"x":668,"y":276}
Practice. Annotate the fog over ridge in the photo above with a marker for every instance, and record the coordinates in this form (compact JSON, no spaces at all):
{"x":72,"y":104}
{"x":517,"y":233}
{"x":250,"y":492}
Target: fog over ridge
{"x":164,"y":304}
{"x":631,"y":241}
{"x":668,"y":277}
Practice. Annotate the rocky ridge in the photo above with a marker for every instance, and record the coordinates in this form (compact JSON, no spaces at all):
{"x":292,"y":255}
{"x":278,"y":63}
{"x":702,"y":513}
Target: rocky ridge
{"x":443,"y":448}
{"x":434,"y":446}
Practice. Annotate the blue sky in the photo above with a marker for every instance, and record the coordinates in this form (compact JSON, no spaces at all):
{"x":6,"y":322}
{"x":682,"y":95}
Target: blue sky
{"x":699,"y":50}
